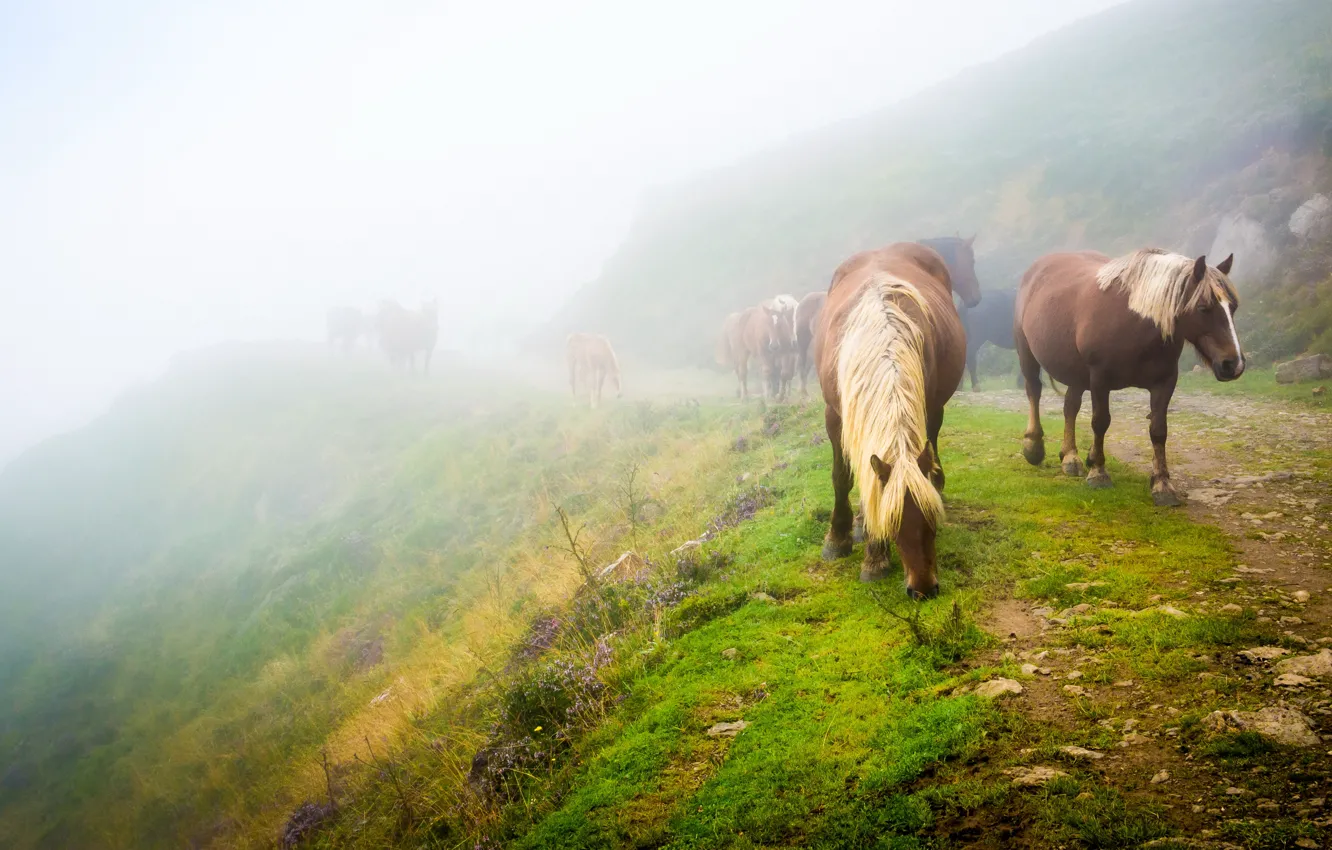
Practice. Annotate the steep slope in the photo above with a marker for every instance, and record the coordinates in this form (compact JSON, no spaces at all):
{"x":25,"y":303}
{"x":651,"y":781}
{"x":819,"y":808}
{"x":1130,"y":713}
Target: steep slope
{"x":1150,"y":123}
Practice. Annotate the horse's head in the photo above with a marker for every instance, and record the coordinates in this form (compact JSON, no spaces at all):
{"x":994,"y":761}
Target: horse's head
{"x":915,"y":535}
{"x":781,"y":332}
{"x":962,"y":269}
{"x":1208,"y":323}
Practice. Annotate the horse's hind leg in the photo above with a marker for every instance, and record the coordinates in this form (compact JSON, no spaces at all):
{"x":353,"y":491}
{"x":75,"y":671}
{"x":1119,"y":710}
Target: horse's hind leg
{"x":1163,"y":492}
{"x":1100,"y":399}
{"x":1068,"y":450}
{"x":933,"y":424}
{"x":837,"y":544}
{"x":1033,"y":441}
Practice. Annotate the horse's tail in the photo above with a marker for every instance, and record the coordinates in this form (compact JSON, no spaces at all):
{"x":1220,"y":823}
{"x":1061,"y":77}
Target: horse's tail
{"x":881,"y":380}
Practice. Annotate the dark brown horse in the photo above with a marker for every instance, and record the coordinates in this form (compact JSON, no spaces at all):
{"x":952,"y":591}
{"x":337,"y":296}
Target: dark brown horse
{"x":766,"y":332}
{"x":405,"y":333}
{"x":890,"y":351}
{"x":806,"y":322}
{"x":1098,"y":325}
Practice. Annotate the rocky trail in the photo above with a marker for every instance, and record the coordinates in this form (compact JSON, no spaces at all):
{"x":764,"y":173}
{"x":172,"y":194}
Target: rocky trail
{"x":1262,"y":473}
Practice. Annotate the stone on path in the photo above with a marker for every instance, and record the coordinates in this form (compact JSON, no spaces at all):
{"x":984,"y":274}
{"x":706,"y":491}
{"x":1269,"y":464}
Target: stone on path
{"x":1282,"y":725}
{"x":1319,"y":665}
{"x":1075,"y":691}
{"x":1162,"y":776}
{"x":726,"y":730}
{"x":1033,"y":777}
{"x":1081,"y":753}
{"x":1292,"y":680}
{"x":996,"y":688}
{"x":1263,"y":653}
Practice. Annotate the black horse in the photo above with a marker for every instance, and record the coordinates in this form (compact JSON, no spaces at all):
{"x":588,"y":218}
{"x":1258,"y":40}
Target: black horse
{"x":990,"y":321}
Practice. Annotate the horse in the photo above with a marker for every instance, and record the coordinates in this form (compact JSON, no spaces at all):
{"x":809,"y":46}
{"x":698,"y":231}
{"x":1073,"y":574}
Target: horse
{"x":960,"y":258}
{"x":346,"y":325}
{"x":786,"y":308}
{"x":404,"y":333}
{"x":591,"y":357}
{"x":1099,"y":324}
{"x":806,"y":320}
{"x":765,"y":331}
{"x":991,"y":321}
{"x":890,"y":351}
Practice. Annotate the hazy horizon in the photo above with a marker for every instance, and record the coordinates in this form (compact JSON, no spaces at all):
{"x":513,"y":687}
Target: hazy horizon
{"x":177,"y":178}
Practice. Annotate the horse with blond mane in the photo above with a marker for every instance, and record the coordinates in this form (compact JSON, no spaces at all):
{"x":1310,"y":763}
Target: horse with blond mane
{"x":890,"y":351}
{"x":1098,"y":325}
{"x":591,"y":358}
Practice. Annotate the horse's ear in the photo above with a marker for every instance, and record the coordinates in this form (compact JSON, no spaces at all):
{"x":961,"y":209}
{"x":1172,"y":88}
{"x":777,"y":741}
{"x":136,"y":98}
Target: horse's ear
{"x":1224,"y":265}
{"x":881,"y":469}
{"x":1199,"y":268}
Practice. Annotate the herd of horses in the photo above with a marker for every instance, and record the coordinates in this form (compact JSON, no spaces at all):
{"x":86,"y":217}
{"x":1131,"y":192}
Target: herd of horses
{"x":890,"y":347}
{"x":402,"y":334}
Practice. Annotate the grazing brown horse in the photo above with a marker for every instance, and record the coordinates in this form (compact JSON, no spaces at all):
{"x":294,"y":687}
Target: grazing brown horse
{"x":1100,"y":324}
{"x":807,"y":317}
{"x":591,"y":357}
{"x":766,"y":332}
{"x":346,"y":325}
{"x":890,"y":351}
{"x":405,"y":333}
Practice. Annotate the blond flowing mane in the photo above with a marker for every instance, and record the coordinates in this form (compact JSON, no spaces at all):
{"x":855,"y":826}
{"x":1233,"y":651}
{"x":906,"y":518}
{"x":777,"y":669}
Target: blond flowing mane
{"x":881,"y":379}
{"x":1158,"y":285}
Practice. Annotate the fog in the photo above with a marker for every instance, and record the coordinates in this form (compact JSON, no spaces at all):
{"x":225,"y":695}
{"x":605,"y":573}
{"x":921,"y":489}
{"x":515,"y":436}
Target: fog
{"x":173,"y":175}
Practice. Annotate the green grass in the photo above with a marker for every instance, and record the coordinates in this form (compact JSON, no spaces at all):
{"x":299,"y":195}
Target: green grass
{"x":1259,"y":384}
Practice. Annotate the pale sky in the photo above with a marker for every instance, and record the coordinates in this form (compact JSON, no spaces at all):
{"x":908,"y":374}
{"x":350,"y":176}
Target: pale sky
{"x":174,"y":174}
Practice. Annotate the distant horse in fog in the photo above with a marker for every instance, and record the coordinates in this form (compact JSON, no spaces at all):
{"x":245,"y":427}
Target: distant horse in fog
{"x":960,"y":259}
{"x":346,"y":325}
{"x":405,"y":333}
{"x":991,"y":321}
{"x":765,"y":331}
{"x":806,"y":320}
{"x":592,"y":359}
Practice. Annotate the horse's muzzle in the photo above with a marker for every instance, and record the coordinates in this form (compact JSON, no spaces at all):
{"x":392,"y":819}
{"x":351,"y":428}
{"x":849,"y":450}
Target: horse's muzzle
{"x":1228,"y":370}
{"x":919,"y":596}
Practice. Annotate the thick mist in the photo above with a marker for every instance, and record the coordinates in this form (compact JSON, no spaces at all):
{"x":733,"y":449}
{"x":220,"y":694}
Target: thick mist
{"x":176,"y":175}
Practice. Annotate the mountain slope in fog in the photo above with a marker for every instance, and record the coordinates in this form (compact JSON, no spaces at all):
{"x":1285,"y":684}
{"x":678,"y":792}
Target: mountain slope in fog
{"x":1154,"y":122}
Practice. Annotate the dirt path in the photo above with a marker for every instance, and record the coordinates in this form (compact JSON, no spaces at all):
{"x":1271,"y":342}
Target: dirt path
{"x":1262,"y":473}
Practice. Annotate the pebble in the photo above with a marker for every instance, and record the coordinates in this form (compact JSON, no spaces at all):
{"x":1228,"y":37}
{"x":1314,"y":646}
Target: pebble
{"x":1300,"y":596}
{"x":1082,"y":753}
{"x":1163,"y":776}
{"x":1075,"y":691}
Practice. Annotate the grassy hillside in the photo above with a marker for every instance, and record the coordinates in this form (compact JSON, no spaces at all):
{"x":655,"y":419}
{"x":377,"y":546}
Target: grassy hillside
{"x":218,"y":578}
{"x":1144,"y":124}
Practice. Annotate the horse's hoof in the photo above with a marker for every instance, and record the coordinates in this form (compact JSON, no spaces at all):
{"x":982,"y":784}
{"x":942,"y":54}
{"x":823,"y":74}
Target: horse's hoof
{"x":833,"y":551}
{"x":1033,"y":451}
{"x":975,"y":388}
{"x":870,"y":573}
{"x":1073,"y":466}
{"x":1097,"y":479}
{"x":1166,"y":498}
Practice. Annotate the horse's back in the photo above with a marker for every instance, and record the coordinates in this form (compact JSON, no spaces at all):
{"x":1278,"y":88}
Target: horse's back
{"x":922,"y":268}
{"x":807,"y":314}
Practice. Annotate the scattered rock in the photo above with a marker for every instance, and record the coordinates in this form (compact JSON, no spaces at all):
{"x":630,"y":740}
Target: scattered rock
{"x":1300,"y":369}
{"x":1030,"y":669}
{"x":1236,"y":792}
{"x":1172,"y":611}
{"x":1300,"y":596}
{"x":1133,"y":739}
{"x":730,"y":653}
{"x":1319,"y":665}
{"x":1075,"y":691}
{"x":1292,"y":680}
{"x":1162,"y":776}
{"x":1291,"y":621}
{"x":1042,"y":612}
{"x":1130,"y":724}
{"x":1084,"y":586}
{"x":1283,"y":725}
{"x":1269,"y":805}
{"x":1033,"y":777}
{"x":1306,"y":843}
{"x":1232,"y":608}
{"x":1127,"y":683}
{"x":1074,"y":611}
{"x":1262,"y":653}
{"x":996,"y":688}
{"x":1082,"y":753}
{"x":727,"y":730}
{"x":1211,"y":495}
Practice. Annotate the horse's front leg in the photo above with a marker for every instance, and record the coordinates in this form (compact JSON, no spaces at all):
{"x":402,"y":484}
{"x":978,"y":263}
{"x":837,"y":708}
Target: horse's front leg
{"x":1033,"y":440}
{"x":1100,"y":399}
{"x":1163,"y":492}
{"x":837,"y":544}
{"x":878,"y":561}
{"x":1068,"y":450}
